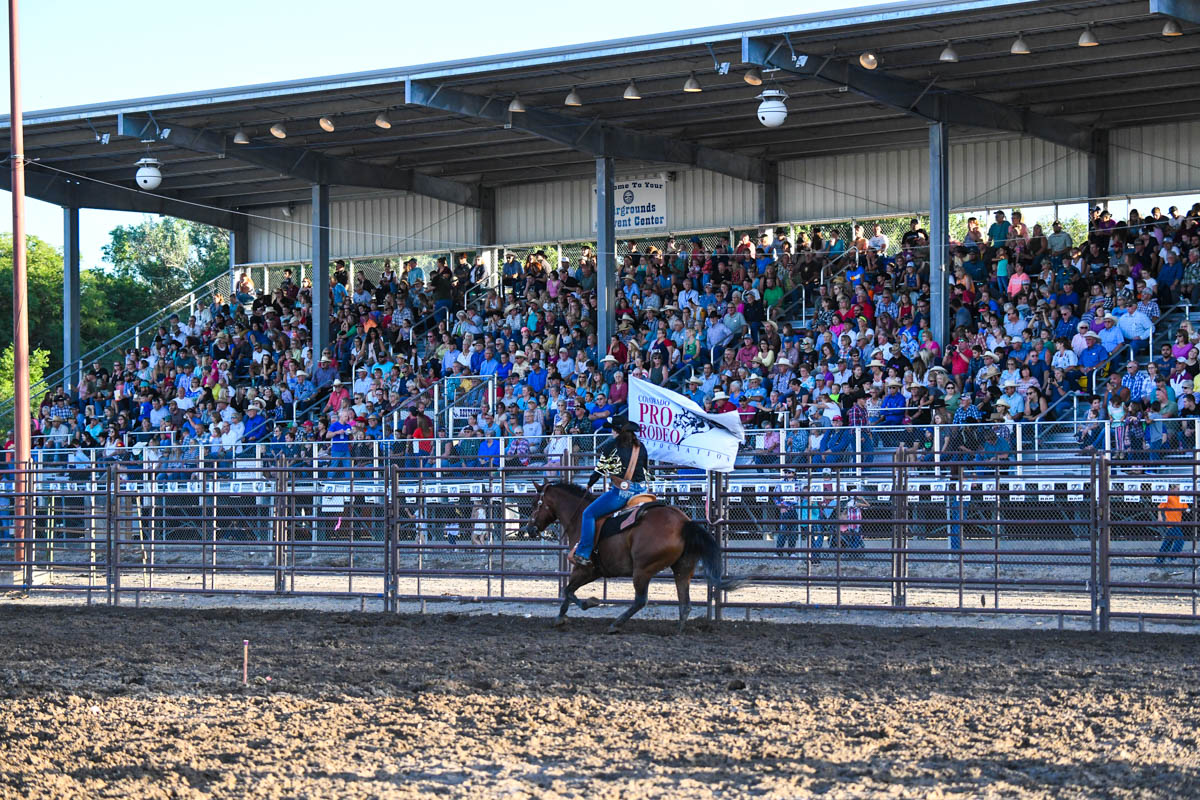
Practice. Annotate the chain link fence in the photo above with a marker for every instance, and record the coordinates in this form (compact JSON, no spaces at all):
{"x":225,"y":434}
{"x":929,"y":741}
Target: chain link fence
{"x":1082,"y":539}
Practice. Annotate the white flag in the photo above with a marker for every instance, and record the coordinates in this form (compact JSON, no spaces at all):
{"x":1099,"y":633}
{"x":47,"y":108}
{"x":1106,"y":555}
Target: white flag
{"x":676,"y":430}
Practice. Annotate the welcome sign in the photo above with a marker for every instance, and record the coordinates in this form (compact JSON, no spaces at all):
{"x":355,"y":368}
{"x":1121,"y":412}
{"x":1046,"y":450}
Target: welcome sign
{"x":640,"y":205}
{"x":676,"y":430}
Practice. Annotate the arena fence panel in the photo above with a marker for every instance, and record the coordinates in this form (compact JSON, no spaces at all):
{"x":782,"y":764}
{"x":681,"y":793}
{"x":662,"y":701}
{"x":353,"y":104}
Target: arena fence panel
{"x":1090,"y":540}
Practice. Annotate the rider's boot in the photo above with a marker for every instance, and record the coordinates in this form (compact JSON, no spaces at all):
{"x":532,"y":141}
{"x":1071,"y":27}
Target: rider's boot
{"x":579,"y":560}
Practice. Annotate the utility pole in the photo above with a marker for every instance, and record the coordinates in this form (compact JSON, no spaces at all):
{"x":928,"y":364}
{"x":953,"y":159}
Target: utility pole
{"x":21,"y":425}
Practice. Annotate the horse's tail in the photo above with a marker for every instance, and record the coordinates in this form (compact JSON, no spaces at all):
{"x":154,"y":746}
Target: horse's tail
{"x":699,"y":540}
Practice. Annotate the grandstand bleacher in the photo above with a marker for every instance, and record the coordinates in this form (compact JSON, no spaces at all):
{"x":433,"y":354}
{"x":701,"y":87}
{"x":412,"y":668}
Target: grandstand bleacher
{"x":821,"y":343}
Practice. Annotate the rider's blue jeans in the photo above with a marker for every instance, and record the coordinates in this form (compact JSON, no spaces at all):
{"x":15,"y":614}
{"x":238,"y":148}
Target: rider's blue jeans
{"x":612,"y":500}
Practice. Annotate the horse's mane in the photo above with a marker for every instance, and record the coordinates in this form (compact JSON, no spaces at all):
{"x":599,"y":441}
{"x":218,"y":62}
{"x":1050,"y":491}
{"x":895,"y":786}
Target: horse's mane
{"x":570,"y":488}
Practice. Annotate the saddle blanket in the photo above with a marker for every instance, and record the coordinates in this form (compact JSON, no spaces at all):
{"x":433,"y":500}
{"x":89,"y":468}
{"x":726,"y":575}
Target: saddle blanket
{"x":620,"y":521}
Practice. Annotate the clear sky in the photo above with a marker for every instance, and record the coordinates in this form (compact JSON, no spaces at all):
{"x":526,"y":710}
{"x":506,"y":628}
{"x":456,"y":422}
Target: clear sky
{"x":76,"y":51}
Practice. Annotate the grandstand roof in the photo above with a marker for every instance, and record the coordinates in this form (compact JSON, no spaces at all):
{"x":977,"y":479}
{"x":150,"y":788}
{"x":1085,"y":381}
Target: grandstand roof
{"x":457,"y":136}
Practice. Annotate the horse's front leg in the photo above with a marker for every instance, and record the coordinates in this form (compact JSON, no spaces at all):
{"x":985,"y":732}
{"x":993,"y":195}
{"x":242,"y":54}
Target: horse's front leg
{"x":579,"y":577}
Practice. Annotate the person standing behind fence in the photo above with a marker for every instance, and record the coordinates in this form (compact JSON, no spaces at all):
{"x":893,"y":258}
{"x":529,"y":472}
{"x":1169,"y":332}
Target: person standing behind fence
{"x":851,"y":527}
{"x":1170,"y":513}
{"x":788,"y":532}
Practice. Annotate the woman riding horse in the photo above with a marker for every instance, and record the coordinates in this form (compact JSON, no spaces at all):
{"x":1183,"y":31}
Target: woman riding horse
{"x":664,"y":538}
{"x":623,"y":460}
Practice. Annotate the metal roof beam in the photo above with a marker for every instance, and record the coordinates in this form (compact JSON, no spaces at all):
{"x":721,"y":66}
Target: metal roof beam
{"x":913,"y":97}
{"x":1186,"y":10}
{"x":306,"y":165}
{"x":62,"y":190}
{"x":598,"y":139}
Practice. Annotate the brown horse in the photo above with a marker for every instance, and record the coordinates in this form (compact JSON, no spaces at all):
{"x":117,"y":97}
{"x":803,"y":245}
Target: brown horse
{"x":663,"y":537}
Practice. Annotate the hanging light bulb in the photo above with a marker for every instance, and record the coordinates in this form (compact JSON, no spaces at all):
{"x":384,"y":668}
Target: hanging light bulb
{"x":573,"y":98}
{"x":868,"y":60}
{"x":1171,"y":28}
{"x":382,"y":121}
{"x":753,"y":76}
{"x":692,"y":85}
{"x":1087,"y":38}
{"x":279,"y":131}
{"x":515,"y":106}
{"x":631,"y":91}
{"x":326,"y":124}
{"x":949,"y":54}
{"x":241,"y":138}
{"x":1020,"y":47}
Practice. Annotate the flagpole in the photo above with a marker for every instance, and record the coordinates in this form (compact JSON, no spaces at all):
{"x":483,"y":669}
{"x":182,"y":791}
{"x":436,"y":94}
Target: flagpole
{"x":21,"y":425}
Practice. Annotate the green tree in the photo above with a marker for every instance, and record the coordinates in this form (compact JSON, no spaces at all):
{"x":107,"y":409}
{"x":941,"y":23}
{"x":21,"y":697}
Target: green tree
{"x":44,"y":281}
{"x":39,"y":362}
{"x":109,"y":305}
{"x":168,"y":256}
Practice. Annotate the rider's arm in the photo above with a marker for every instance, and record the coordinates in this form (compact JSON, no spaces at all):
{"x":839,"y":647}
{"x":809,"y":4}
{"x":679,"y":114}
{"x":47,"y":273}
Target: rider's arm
{"x":602,"y":450}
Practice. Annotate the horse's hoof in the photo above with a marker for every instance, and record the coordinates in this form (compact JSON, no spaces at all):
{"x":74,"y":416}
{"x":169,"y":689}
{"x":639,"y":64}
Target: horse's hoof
{"x":590,"y":602}
{"x":613,"y":629}
{"x":560,"y":622}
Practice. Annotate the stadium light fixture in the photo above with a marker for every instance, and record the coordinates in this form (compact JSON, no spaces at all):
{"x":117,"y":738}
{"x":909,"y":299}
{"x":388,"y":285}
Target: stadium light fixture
{"x":149,"y":176}
{"x":692,"y":85}
{"x":326,"y":124}
{"x":868,"y":60}
{"x":1171,"y":28}
{"x":1088,"y":38}
{"x":631,"y":91}
{"x":515,"y":106}
{"x":382,"y":121}
{"x":753,"y":76}
{"x":1020,"y":47}
{"x":949,"y":54}
{"x":241,"y":138}
{"x":279,"y":131}
{"x":573,"y":98}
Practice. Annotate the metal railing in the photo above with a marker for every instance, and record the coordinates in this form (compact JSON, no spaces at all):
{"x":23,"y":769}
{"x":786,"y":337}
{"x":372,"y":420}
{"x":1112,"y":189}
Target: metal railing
{"x":1022,"y":449}
{"x":1085,"y":544}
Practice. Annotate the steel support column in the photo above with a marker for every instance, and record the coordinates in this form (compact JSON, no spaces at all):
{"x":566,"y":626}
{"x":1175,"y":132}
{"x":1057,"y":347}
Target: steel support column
{"x":1097,"y":168}
{"x":768,"y":201}
{"x":487,"y":216}
{"x":238,"y":254}
{"x":71,"y":348}
{"x":606,"y":252}
{"x":320,"y":269}
{"x":939,"y":218}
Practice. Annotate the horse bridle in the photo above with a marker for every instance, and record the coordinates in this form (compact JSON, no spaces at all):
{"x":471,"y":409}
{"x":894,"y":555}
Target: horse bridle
{"x":542,"y":498}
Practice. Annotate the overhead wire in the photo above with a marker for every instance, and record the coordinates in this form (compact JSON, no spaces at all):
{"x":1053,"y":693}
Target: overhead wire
{"x":396,"y":245}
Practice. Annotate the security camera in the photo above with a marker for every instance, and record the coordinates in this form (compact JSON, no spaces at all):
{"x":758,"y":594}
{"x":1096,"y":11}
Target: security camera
{"x":149,"y":177}
{"x":772,"y":111}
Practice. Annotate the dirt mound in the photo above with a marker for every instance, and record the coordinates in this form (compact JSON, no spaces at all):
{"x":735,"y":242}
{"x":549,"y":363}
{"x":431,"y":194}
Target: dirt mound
{"x":149,"y":703}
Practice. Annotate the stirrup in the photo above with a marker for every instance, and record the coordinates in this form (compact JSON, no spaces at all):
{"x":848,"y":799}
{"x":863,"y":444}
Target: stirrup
{"x":579,"y":560}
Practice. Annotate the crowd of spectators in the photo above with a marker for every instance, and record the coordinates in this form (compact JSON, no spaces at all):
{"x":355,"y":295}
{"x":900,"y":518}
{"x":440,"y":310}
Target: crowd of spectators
{"x":1035,"y":319}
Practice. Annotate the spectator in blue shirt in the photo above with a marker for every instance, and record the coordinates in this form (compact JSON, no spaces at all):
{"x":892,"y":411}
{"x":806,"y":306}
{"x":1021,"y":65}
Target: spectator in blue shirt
{"x":339,"y":449}
{"x":489,"y":365}
{"x":1110,"y":334}
{"x":1094,"y":354}
{"x":477,"y":356}
{"x":489,"y":451}
{"x":836,"y":444}
{"x":891,"y":409}
{"x":255,"y":424}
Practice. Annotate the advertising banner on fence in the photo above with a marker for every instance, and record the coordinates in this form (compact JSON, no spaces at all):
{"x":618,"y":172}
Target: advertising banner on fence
{"x":640,"y":206}
{"x":676,"y":430}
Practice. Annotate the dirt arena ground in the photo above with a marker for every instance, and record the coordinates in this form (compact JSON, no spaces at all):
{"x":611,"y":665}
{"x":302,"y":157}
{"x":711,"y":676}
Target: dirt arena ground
{"x":148,"y":703}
